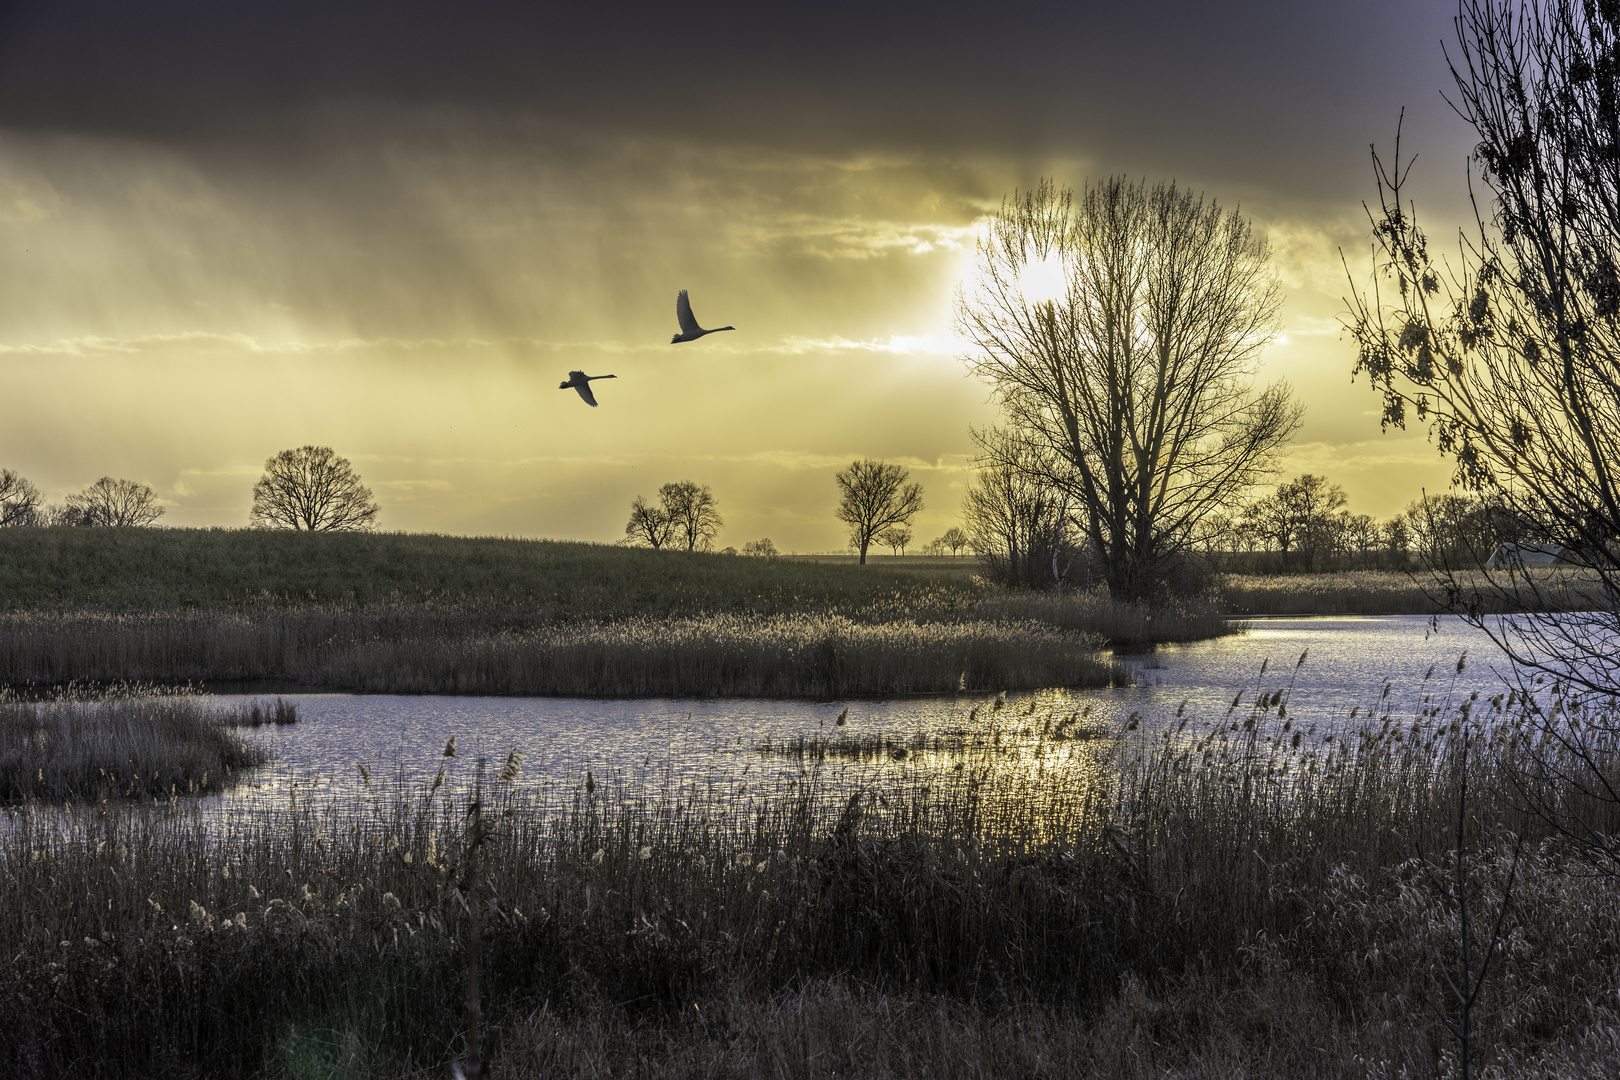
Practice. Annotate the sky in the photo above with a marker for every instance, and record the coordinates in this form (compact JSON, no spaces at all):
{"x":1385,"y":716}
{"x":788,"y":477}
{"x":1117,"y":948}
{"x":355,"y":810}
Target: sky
{"x":394,"y":228}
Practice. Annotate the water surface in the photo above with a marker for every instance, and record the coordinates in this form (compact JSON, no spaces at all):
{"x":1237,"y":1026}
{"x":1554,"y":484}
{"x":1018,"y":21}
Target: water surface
{"x":1348,"y":662}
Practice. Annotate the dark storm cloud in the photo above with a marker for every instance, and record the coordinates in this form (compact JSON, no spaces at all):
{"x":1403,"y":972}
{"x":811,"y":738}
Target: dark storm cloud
{"x":1217,"y":86}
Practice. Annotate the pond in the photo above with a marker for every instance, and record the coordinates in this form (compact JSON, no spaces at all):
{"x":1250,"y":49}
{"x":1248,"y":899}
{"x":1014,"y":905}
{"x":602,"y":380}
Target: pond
{"x":1348,"y":661}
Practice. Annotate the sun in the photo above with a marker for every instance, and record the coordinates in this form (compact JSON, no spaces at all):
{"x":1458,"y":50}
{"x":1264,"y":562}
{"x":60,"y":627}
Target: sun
{"x":1043,"y":279}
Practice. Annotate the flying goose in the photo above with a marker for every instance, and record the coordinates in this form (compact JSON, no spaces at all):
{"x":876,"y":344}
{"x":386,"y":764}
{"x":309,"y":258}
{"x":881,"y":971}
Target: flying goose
{"x":580,"y":381}
{"x":690,"y":330}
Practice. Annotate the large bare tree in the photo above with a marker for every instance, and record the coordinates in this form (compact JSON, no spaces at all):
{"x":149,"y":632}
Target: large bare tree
{"x":114,"y":503}
{"x":20,"y":501}
{"x":311,"y":488}
{"x":1120,"y":332}
{"x":875,"y":496}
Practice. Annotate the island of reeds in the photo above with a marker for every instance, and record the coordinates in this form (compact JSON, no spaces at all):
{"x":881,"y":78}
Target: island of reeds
{"x":388,"y":612}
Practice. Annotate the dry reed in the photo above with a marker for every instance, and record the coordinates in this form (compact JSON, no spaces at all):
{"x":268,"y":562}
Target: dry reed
{"x":423,"y":651}
{"x":1151,"y":897}
{"x":1375,"y":592}
{"x":138,"y":743}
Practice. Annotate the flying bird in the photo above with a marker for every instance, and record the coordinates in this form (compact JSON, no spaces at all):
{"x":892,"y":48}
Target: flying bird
{"x":690,"y":330}
{"x":580,"y":381}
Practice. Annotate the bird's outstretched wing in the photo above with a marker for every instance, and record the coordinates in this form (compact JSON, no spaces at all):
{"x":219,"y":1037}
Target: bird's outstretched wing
{"x":584,"y":389}
{"x":683,"y":313}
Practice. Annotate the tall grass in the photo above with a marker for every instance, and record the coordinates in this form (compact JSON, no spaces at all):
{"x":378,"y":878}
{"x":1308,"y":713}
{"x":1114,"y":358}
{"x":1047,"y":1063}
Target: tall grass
{"x":1163,"y":898}
{"x":411,"y":650}
{"x":135,"y":744}
{"x":435,"y":614}
{"x":1374,"y":592}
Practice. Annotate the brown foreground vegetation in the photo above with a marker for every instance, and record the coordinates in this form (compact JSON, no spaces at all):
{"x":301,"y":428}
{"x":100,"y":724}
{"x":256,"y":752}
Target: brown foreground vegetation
{"x":1235,"y":897}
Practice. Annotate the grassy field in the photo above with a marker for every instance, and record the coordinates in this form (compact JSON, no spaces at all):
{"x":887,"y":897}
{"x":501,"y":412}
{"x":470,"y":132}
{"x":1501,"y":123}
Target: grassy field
{"x":1380,"y":592}
{"x":144,"y":570}
{"x":434,"y":614}
{"x":1232,"y":899}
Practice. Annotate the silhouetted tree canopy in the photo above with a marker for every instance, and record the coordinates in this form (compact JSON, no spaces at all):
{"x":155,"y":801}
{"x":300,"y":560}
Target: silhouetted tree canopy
{"x":693,"y":512}
{"x":20,"y":501}
{"x":1120,"y":332}
{"x":686,"y":514}
{"x":875,"y":496}
{"x":111,"y":502}
{"x":311,"y":488}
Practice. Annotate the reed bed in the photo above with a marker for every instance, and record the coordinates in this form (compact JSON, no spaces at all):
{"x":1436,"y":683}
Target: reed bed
{"x":410,"y":650}
{"x":138,"y":743}
{"x":1231,"y":897}
{"x":1374,"y":592}
{"x":437,"y":614}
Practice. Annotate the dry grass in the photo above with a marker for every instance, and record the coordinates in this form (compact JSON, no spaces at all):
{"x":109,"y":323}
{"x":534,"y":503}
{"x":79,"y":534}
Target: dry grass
{"x":1232,"y":898}
{"x":138,"y":743}
{"x":1378,"y":592}
{"x":410,"y":650}
{"x":438,"y":614}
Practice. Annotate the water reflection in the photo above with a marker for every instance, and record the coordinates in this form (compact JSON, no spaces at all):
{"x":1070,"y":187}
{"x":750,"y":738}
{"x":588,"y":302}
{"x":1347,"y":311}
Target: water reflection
{"x":711,"y":746}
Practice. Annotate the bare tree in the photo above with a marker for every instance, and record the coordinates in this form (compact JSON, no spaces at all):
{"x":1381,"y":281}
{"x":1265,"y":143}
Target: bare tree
{"x":1019,"y":524}
{"x":1298,"y":516}
{"x":648,"y":524}
{"x":112,"y":502}
{"x":1134,"y":373}
{"x":763,"y":548}
{"x":954,"y":539}
{"x":20,"y":501}
{"x":693,"y":513}
{"x":876,"y":495}
{"x":313,"y":489}
{"x":896,"y":538}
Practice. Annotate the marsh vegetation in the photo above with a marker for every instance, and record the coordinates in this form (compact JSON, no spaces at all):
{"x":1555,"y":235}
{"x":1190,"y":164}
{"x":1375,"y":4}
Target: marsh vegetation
{"x":137,"y":743}
{"x":425,"y":614}
{"x":1233,"y":896}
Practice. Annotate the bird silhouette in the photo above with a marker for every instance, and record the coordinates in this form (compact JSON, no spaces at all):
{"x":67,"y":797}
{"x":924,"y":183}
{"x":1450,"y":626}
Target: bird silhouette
{"x":690,"y":330}
{"x":580,"y":381}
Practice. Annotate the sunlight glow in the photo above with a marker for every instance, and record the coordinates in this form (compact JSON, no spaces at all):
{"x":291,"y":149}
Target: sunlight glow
{"x":1043,"y":280}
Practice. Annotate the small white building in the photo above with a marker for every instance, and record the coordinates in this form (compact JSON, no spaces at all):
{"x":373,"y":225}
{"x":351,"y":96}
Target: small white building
{"x":1509,"y":554}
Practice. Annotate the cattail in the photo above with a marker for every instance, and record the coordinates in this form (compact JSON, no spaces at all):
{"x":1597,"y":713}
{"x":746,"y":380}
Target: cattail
{"x":590,"y":783}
